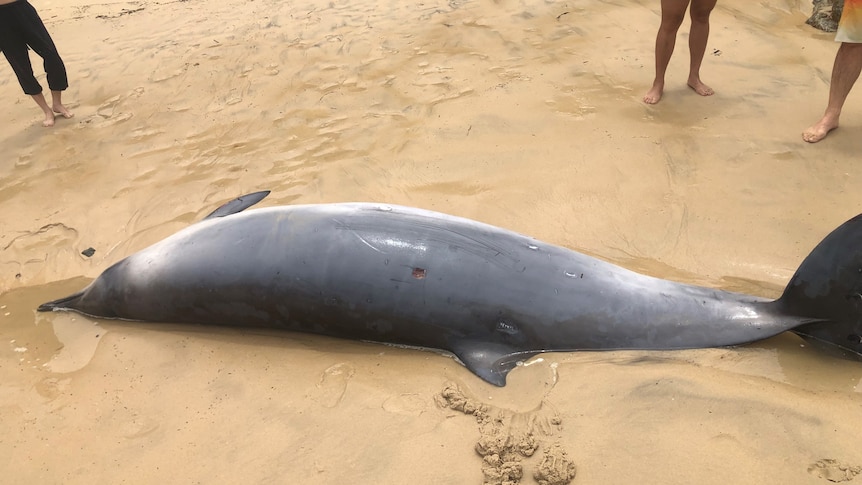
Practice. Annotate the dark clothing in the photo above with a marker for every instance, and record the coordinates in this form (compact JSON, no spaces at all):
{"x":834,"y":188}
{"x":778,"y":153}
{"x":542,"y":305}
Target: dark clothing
{"x":20,"y":27}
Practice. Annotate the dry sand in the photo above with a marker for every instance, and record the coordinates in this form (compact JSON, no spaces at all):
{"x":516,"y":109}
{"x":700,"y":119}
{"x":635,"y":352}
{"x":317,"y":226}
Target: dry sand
{"x":522,"y":114}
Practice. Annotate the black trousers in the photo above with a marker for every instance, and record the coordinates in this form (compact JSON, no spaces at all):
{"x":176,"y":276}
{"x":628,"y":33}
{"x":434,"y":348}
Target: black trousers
{"x":20,"y":27}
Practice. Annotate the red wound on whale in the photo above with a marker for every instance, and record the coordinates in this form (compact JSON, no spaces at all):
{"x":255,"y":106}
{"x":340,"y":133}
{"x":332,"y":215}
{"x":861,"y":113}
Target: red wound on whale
{"x":418,"y":273}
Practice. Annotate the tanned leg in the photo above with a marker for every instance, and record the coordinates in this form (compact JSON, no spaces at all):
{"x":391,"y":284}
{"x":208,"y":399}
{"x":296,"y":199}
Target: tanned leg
{"x":49,"y":114}
{"x":672,"y":14}
{"x":700,"y":10}
{"x":57,"y":105}
{"x":845,"y":72}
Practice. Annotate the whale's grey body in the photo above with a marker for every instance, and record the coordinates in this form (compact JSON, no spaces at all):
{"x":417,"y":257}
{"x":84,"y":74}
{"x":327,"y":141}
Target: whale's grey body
{"x":414,"y":277}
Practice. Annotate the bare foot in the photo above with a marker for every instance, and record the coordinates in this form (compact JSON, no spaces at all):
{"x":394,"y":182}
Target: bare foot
{"x":653,"y":96}
{"x":700,"y":88}
{"x":49,"y":119}
{"x":61,"y":110}
{"x":819,"y":130}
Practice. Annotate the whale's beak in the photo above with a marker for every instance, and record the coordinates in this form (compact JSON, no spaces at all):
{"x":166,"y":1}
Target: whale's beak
{"x":66,"y":303}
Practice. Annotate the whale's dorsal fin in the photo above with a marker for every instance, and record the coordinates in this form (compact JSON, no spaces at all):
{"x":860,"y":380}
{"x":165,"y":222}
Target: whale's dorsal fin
{"x":238,"y":205}
{"x":488,"y":360}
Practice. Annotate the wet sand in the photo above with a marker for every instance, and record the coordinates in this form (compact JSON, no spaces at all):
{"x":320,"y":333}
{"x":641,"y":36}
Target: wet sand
{"x":526,"y":115}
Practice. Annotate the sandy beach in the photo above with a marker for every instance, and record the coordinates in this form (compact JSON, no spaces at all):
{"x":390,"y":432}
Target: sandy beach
{"x":525,"y":114}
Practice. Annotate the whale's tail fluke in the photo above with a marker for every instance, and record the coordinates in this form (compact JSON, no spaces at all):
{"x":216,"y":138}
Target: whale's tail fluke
{"x":828,"y":287}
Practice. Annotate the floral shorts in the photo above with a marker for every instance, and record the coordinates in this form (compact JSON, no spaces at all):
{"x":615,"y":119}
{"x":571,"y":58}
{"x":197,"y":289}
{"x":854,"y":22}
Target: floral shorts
{"x":850,"y":25}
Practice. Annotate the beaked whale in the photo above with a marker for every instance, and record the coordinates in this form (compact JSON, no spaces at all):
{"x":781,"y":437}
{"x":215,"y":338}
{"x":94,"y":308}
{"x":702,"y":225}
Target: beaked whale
{"x":490,"y":296}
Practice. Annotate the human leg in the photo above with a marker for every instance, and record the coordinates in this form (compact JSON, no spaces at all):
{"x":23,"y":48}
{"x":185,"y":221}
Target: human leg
{"x":49,"y":113}
{"x":16,"y":54}
{"x":672,"y":14}
{"x":845,"y":72}
{"x":57,"y":104}
{"x":15,"y":50}
{"x":27,"y":29}
{"x":37,"y":37}
{"x":697,"y":39}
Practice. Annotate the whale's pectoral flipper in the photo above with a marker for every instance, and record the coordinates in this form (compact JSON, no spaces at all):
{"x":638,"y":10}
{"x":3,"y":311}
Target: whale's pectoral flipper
{"x":238,"y":205}
{"x":488,"y":360}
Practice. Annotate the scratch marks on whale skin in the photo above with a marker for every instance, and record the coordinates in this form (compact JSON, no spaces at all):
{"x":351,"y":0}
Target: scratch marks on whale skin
{"x":365,"y":241}
{"x":417,"y":235}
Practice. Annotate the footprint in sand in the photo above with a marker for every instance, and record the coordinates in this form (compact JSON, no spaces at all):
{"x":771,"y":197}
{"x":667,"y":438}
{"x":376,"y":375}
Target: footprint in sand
{"x":332,"y":385}
{"x":52,"y":387}
{"x":24,"y":160}
{"x":834,"y":470}
{"x":106,"y":109}
{"x":235,"y":96}
{"x":405,"y":405}
{"x":163,"y":73}
{"x":573,"y":106}
{"x":107,"y":113}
